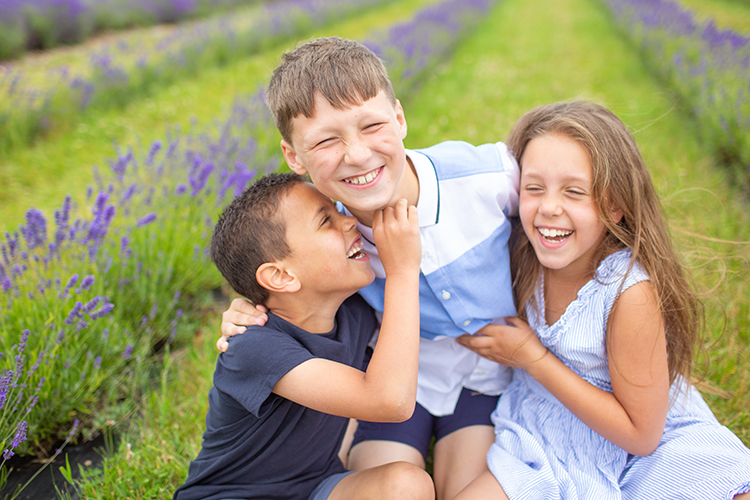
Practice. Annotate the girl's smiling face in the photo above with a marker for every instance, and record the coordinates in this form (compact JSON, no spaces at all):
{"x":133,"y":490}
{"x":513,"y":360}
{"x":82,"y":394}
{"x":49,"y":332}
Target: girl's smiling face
{"x":557,"y":210}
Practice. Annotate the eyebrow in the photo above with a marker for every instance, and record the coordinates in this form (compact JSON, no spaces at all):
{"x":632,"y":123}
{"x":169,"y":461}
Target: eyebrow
{"x":567,"y":178}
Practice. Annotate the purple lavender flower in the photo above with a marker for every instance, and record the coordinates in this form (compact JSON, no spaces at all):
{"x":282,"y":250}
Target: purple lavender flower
{"x":87,"y":282}
{"x":128,"y":352}
{"x":19,"y":438}
{"x":35,"y":230}
{"x":146,"y":220}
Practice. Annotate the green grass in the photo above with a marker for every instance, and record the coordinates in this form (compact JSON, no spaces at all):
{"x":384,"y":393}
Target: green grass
{"x":39,"y":176}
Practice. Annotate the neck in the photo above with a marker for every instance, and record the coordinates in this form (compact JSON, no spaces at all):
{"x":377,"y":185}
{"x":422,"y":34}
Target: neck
{"x":408,"y":187}
{"x":314,"y":315}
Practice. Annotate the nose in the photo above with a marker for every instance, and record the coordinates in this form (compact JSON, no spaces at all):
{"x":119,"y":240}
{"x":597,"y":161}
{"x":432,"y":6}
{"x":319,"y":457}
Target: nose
{"x":550,"y":205}
{"x":357,"y":151}
{"x":348,"y":223}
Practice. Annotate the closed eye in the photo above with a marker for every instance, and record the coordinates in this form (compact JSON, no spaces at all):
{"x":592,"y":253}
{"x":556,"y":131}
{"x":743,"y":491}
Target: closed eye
{"x":325,"y":220}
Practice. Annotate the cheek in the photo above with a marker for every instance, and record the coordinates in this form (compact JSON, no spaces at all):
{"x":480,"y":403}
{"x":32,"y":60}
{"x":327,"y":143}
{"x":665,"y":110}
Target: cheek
{"x":526,"y":209}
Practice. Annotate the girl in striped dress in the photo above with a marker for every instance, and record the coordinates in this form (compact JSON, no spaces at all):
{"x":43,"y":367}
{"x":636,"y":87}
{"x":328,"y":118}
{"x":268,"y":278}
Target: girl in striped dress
{"x":600,"y":406}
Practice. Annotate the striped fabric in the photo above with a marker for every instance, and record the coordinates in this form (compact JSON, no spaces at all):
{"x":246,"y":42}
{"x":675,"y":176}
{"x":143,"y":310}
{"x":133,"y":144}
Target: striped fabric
{"x":542,"y":451}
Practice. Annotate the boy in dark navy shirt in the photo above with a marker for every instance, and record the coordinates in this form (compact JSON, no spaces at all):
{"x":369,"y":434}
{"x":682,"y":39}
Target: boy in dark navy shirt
{"x":283,"y":392}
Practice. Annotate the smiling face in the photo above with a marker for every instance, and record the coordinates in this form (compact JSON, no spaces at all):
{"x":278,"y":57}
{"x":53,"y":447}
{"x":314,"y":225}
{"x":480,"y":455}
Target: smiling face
{"x":326,"y":248}
{"x":354,"y":155}
{"x":557,"y":210}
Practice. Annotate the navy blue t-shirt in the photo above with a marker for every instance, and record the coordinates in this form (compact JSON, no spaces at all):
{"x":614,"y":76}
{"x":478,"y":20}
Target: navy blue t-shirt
{"x":258,"y":444}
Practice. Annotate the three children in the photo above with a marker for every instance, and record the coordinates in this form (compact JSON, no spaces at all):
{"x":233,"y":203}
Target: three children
{"x":342,"y":125}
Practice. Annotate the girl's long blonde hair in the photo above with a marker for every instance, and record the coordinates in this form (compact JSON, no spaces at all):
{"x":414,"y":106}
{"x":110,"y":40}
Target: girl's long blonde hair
{"x":620,"y":178}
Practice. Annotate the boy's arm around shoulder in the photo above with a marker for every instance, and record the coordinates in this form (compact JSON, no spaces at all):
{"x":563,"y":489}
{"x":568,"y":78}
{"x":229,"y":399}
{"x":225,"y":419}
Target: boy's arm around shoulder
{"x":386,"y":392}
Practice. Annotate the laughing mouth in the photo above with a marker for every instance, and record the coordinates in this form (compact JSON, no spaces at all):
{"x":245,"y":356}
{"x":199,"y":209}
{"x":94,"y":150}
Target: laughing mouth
{"x":363,"y":179}
{"x":355,"y":252}
{"x":554,"y":235}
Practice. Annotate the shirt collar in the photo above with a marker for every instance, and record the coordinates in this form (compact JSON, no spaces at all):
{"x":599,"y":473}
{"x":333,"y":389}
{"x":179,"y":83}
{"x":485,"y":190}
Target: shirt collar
{"x":428,"y":204}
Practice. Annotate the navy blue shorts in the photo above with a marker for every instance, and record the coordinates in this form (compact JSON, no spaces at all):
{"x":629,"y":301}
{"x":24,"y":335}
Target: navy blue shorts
{"x":472,"y":409}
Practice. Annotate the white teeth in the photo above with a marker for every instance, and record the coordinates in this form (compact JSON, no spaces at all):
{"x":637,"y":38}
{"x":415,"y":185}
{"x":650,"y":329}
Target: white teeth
{"x":363,"y":179}
{"x":354,"y":250}
{"x":554,"y":233}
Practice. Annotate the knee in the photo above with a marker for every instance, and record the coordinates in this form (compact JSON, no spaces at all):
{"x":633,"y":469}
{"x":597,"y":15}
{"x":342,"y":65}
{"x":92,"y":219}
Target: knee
{"x":408,"y":482}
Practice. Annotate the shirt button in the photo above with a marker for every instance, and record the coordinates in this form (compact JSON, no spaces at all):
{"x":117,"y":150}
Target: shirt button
{"x":446,"y":295}
{"x":466,"y":323}
{"x":480,"y":372}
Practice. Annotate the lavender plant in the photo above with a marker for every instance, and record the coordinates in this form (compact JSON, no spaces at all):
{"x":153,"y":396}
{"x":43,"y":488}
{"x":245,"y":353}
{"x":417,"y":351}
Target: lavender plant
{"x":119,"y":70}
{"x":709,"y":68}
{"x":97,"y":294}
{"x":35,"y":24}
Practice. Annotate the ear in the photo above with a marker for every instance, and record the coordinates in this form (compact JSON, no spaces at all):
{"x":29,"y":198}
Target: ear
{"x":616,"y":213}
{"x":401,"y":119}
{"x":291,"y":158}
{"x":274,"y":277}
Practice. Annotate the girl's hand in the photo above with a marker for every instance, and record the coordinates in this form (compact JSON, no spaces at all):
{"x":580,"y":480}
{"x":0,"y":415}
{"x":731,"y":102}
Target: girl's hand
{"x":240,"y":314}
{"x":513,"y":345}
{"x":396,"y":233}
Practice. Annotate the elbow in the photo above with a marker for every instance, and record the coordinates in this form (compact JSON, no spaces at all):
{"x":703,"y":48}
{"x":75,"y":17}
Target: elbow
{"x":404,"y":412}
{"x":397,"y":410}
{"x":644,"y":447}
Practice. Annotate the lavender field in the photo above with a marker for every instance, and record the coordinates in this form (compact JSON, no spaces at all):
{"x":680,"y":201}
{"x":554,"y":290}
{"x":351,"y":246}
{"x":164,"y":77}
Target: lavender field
{"x":95,"y":295}
{"x":108,"y":303}
{"x":708,"y":66}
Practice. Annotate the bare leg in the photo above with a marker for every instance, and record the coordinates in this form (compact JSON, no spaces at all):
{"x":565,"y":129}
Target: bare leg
{"x":367,"y":454}
{"x":460,"y":458}
{"x":743,"y":496}
{"x":485,"y":487}
{"x":347,"y":441}
{"x":393,"y":481}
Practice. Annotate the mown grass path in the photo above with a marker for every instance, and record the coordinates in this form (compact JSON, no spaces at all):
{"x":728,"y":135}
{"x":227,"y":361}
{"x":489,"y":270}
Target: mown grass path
{"x":524,"y":54}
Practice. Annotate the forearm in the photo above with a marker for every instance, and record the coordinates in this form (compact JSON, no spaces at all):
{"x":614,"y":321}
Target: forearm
{"x":392,"y":372}
{"x":599,"y":409}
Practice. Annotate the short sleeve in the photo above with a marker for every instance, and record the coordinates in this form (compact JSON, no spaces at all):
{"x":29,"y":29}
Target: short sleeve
{"x":254,"y":362}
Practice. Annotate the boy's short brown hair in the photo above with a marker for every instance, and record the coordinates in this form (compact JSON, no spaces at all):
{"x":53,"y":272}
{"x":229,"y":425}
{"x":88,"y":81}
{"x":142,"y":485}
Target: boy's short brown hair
{"x":251,"y":232}
{"x":345,"y":72}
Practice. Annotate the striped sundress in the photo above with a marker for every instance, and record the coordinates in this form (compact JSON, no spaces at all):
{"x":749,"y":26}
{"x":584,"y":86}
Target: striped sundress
{"x":543,"y":451}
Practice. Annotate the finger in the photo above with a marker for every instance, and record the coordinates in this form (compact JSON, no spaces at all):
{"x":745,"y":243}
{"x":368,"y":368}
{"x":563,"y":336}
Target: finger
{"x":413,"y":215}
{"x":377,"y":219}
{"x":222,"y":344}
{"x":401,"y":209}
{"x":475,"y":341}
{"x":516,"y":321}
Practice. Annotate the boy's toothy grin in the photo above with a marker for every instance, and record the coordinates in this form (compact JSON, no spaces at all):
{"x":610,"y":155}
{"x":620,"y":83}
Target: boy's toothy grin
{"x":554,"y":235}
{"x":355,"y":252}
{"x":363,"y":179}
